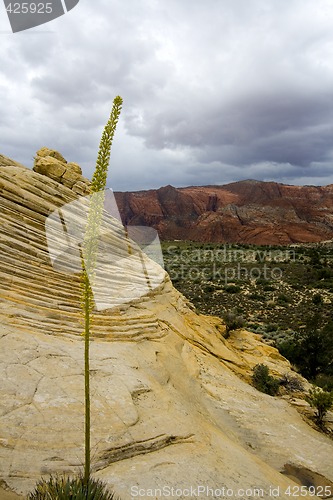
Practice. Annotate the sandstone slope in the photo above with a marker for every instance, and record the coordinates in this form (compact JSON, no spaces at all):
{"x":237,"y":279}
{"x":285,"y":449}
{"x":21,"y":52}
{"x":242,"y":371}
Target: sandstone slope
{"x":264,"y":213}
{"x":171,"y":403}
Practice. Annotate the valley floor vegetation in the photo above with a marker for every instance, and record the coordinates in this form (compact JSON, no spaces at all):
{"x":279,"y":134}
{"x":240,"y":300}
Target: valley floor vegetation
{"x":284,"y":294}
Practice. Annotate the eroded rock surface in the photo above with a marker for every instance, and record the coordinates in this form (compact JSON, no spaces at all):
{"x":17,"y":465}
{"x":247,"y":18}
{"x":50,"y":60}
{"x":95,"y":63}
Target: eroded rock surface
{"x":52,"y":164}
{"x":171,"y":405}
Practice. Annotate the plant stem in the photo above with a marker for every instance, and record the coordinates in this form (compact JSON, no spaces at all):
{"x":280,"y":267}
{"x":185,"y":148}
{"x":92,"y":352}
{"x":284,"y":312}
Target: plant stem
{"x":89,"y":257}
{"x":87,"y":307}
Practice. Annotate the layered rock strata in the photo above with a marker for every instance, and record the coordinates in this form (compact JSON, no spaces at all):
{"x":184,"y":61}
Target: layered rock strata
{"x":171,"y":402}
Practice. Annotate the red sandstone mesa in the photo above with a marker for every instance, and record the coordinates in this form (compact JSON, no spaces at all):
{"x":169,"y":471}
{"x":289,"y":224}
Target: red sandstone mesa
{"x":244,"y":212}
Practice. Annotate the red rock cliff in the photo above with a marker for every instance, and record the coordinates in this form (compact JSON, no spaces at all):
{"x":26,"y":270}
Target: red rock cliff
{"x":244,"y":212}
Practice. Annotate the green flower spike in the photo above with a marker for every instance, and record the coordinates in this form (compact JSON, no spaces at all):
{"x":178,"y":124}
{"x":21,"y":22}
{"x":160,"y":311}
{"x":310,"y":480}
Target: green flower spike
{"x":89,"y":255}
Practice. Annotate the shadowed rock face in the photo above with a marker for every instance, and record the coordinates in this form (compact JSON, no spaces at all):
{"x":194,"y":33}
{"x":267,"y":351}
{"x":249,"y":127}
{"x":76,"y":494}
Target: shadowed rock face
{"x":171,"y":402}
{"x":242,"y":212}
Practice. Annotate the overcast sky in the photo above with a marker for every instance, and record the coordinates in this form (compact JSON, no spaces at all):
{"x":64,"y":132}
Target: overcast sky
{"x":214,"y":90}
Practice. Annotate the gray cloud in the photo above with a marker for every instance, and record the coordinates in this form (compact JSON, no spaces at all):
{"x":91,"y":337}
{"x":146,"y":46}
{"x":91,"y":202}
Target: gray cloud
{"x":213,"y":91}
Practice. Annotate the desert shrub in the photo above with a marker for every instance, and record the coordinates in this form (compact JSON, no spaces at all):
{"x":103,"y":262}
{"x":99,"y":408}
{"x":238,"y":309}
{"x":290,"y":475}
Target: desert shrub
{"x":232,"y":321}
{"x":268,"y":288}
{"x":253,"y":326}
{"x":256,"y":296}
{"x":314,"y":256}
{"x":324,"y":274}
{"x":289,"y":348}
{"x":324,"y":285}
{"x":261,"y":281}
{"x":232,"y":288}
{"x":317,"y":299}
{"x":321,"y":400}
{"x":65,"y":488}
{"x":324,"y":381}
{"x":271,"y":327}
{"x":317,"y":348}
{"x":283,"y":299}
{"x":291,"y":382}
{"x":263,"y":381}
{"x":311,"y":348}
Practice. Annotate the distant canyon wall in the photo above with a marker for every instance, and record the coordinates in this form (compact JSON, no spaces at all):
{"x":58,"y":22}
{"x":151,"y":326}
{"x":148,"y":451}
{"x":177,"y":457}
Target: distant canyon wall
{"x":254,"y":212}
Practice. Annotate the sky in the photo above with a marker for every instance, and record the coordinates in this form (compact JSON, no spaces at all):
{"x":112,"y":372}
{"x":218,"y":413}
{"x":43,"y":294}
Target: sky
{"x":214,"y":91}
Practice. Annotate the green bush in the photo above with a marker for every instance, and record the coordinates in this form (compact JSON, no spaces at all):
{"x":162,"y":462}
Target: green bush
{"x":324,"y":381}
{"x":261,"y":281}
{"x":263,"y":381}
{"x":321,"y":400}
{"x":253,"y":326}
{"x":268,"y":288}
{"x":317,"y":299}
{"x":65,"y":488}
{"x":283,"y":299}
{"x":289,"y":348}
{"x":271,"y":327}
{"x":232,"y":288}
{"x":257,"y":296}
{"x":232,"y":321}
{"x":311,"y":348}
{"x":324,"y":274}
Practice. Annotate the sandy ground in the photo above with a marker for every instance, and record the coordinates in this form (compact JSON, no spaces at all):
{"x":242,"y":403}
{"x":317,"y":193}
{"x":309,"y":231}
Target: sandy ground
{"x":8,"y":495}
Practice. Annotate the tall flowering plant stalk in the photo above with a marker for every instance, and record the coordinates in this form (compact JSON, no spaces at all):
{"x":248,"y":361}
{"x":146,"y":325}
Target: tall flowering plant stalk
{"x":89,"y":256}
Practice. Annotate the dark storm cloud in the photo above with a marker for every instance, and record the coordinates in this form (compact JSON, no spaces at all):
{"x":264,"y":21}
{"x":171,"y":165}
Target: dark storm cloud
{"x":213,"y":91}
{"x":278,"y":128}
